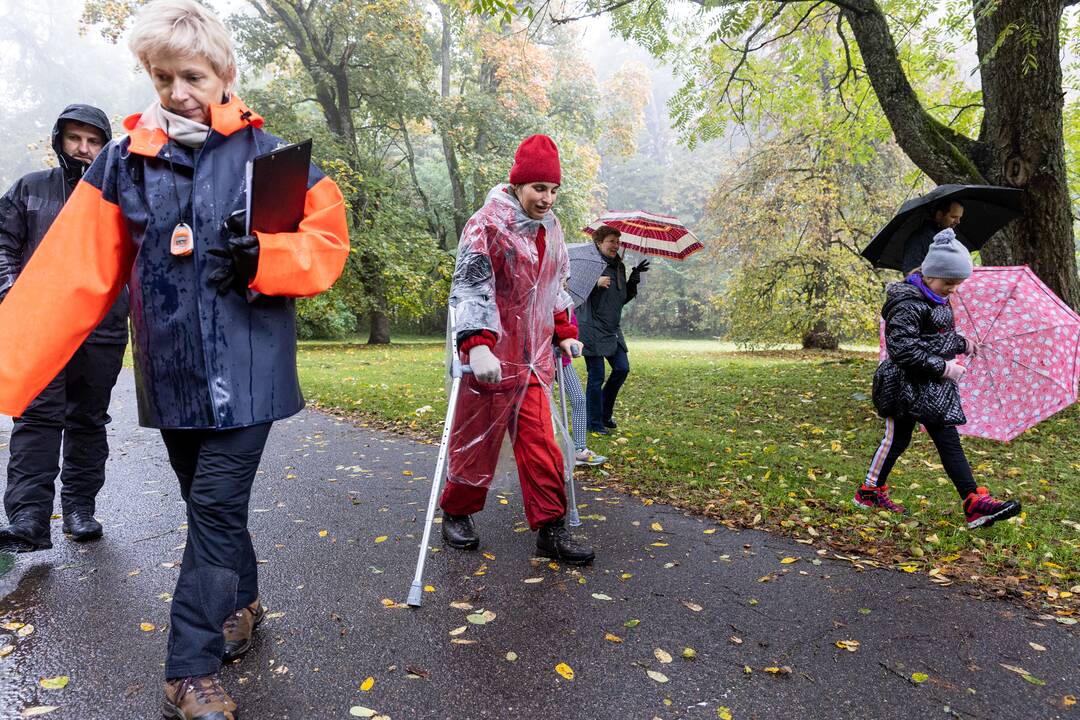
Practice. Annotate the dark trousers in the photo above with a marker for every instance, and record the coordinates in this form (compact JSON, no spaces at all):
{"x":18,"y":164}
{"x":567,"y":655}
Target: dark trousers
{"x":72,"y":410}
{"x":898,"y":437}
{"x":218,"y":575}
{"x":600,"y":396}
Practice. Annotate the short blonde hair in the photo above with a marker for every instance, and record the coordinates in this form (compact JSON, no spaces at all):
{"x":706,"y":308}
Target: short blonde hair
{"x":183,"y":28}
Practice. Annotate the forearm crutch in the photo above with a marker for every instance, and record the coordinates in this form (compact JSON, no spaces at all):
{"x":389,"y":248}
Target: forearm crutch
{"x":572,"y":517}
{"x":457,"y":369}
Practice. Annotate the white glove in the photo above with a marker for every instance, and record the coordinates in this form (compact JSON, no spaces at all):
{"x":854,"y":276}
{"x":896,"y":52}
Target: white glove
{"x":485,"y":366}
{"x":571,"y":347}
{"x":953,"y":371}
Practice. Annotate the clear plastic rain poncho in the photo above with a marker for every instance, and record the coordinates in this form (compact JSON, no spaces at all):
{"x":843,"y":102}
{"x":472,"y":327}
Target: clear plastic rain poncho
{"x":501,"y":285}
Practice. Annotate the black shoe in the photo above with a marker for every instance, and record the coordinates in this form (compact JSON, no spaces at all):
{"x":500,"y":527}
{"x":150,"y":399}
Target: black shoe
{"x":458,"y":532}
{"x":23,"y":536}
{"x":610,"y":424}
{"x":555,"y":541}
{"x":81,"y":525}
{"x":599,"y":430}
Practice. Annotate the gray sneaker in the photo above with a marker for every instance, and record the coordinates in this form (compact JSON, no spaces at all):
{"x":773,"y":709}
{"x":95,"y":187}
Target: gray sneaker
{"x":588,"y":457}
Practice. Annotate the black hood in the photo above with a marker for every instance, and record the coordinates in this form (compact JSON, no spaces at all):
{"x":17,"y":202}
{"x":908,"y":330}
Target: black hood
{"x":87,"y":114}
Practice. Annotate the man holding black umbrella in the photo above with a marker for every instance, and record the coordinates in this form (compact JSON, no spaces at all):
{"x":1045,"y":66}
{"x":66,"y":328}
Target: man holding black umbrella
{"x":974,"y":212}
{"x":944,"y":214}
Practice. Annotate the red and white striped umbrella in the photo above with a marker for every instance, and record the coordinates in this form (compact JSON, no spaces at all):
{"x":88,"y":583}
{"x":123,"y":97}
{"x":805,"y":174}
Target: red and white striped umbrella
{"x":649,"y":233}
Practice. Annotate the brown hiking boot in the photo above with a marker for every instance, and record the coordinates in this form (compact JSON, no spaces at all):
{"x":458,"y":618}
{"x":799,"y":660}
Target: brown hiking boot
{"x":238,"y":629}
{"x":197,"y":698}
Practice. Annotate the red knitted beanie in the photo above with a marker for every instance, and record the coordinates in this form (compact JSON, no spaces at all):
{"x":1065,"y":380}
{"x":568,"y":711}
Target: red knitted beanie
{"x":536,"y":160}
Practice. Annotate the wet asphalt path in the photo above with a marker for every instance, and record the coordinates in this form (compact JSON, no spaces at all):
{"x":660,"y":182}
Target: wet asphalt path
{"x":329,"y":491}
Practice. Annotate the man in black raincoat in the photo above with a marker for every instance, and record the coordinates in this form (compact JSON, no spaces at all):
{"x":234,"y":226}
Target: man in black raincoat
{"x":72,"y":409}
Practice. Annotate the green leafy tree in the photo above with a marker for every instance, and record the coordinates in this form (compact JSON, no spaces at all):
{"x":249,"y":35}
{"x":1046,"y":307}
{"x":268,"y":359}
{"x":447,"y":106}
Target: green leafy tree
{"x":895,"y":63}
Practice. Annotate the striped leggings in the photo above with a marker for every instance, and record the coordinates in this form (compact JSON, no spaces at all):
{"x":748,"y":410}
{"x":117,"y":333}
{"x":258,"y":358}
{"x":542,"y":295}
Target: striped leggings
{"x":576,"y":395}
{"x":897,"y":438}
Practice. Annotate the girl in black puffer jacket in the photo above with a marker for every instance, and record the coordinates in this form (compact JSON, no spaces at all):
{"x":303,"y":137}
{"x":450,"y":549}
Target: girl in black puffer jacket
{"x":917,"y":382}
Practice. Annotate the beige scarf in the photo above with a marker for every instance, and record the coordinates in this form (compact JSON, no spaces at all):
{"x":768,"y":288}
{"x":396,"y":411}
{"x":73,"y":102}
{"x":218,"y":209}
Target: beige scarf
{"x":179,"y":128}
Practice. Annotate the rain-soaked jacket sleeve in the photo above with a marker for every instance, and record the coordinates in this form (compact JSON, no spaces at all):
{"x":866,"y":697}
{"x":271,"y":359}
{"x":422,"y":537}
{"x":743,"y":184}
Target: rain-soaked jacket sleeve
{"x":905,"y":344}
{"x":12,"y":236}
{"x":308,"y":261}
{"x":67,"y":287}
{"x":472,"y":290}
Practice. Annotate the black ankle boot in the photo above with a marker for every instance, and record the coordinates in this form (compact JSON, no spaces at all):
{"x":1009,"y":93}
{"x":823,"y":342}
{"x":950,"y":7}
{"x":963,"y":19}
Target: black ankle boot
{"x":555,"y":541}
{"x":24,"y":535}
{"x":80,"y":524}
{"x":458,"y":532}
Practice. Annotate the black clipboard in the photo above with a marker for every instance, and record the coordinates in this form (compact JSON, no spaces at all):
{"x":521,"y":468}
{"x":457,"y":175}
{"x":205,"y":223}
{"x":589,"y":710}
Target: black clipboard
{"x":277,"y":188}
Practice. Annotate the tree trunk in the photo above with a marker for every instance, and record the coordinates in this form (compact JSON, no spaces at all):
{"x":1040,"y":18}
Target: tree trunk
{"x":457,"y":185}
{"x":820,"y":338}
{"x":1021,"y":143}
{"x":379,"y":328}
{"x":1023,"y":132}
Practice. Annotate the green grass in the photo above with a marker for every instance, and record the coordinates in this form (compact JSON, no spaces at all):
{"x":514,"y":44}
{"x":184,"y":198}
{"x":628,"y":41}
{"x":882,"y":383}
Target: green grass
{"x":779,"y":440}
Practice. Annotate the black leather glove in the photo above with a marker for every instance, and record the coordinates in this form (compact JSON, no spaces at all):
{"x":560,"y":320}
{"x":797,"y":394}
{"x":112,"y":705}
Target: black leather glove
{"x":642,"y":266}
{"x":241,"y":263}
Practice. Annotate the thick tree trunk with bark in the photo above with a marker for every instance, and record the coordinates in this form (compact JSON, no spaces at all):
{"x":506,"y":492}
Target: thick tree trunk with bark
{"x":379,"y":328}
{"x":1023,"y":134}
{"x":1021,"y":143}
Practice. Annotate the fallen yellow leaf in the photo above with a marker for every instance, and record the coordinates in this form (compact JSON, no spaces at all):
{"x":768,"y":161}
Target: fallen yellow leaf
{"x":147,"y":627}
{"x":723,"y":713}
{"x":656,"y":527}
{"x":849,"y":645}
{"x":54,"y":683}
{"x":565,"y":670}
{"x":429,"y":588}
{"x":612,"y":638}
{"x":788,"y":560}
{"x":381,"y":538}
{"x":6,"y":650}
{"x":369,"y":682}
{"x":39,"y":710}
{"x":323,"y":533}
{"x":662,"y":655}
{"x":710,"y":531}
{"x":1068,"y":700}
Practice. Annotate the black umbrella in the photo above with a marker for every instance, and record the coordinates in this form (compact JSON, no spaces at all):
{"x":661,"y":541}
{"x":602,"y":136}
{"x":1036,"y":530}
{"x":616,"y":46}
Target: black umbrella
{"x":987,"y":209}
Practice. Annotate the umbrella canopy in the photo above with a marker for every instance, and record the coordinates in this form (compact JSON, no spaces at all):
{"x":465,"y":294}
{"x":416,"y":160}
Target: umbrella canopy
{"x":650,"y":234}
{"x":987,"y":209}
{"x":1027,"y":366}
{"x":586,"y":267}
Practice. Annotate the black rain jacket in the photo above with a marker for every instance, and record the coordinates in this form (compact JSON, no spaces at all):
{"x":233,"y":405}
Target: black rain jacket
{"x":28,"y":209}
{"x":920,"y":336}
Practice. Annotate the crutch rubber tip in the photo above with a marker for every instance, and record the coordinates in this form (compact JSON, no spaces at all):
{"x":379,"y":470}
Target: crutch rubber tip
{"x":416,"y":593}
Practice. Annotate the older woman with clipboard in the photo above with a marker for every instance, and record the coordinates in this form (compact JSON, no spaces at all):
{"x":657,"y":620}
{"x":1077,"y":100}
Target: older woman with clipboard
{"x":215,"y":364}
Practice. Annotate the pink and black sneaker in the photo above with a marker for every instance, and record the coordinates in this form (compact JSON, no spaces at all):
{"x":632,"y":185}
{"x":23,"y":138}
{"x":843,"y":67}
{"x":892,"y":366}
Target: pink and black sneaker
{"x":982,"y":510}
{"x":875,"y":498}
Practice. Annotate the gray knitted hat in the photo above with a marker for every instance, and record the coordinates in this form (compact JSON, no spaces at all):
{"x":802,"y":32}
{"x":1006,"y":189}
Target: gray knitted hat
{"x":947,"y":258}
